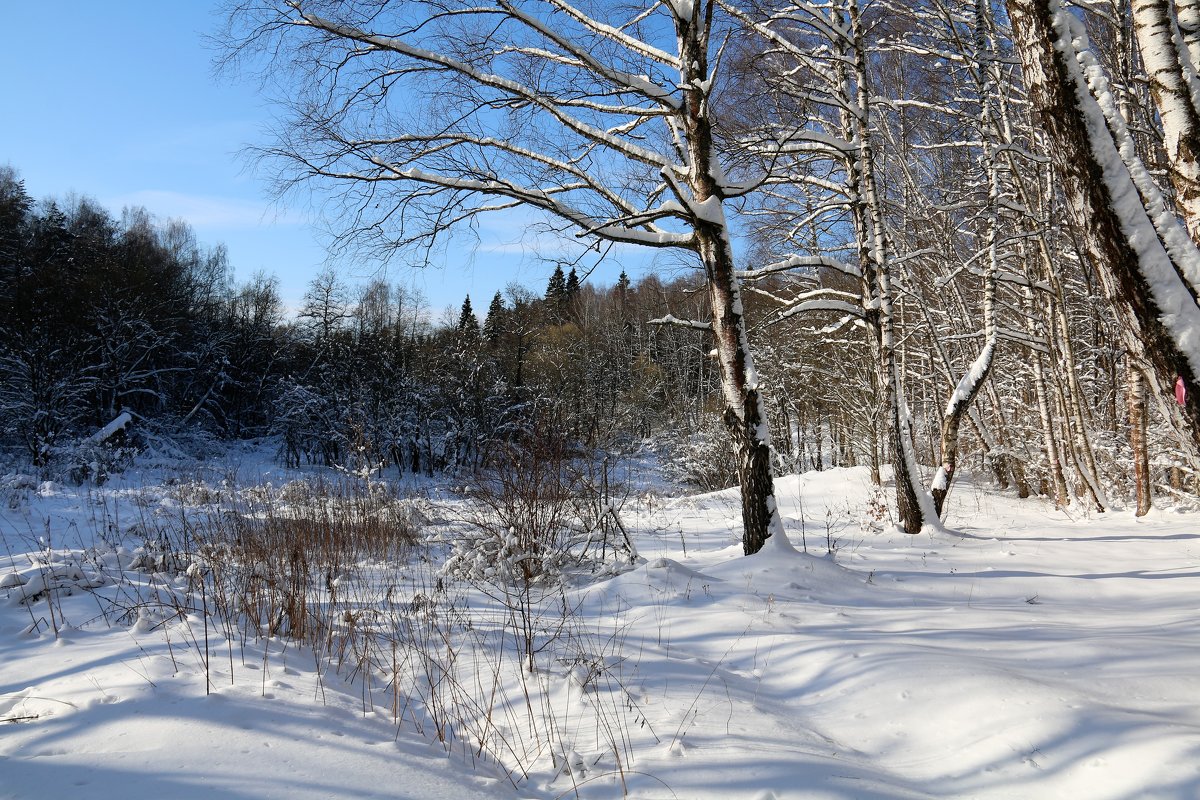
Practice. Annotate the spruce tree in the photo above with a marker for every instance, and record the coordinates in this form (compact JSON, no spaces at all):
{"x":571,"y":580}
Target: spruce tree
{"x":556,"y":289}
{"x":623,"y":293}
{"x":15,"y":206}
{"x":467,"y":320}
{"x":493,"y":325}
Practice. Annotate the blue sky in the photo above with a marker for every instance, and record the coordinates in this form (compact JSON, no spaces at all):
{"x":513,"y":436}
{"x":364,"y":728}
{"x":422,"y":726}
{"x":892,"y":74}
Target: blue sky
{"x":117,"y":100}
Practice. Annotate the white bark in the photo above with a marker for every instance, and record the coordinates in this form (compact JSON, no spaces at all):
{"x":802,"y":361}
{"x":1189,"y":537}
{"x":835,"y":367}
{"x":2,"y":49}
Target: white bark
{"x":1127,"y":229}
{"x":1173,"y":83}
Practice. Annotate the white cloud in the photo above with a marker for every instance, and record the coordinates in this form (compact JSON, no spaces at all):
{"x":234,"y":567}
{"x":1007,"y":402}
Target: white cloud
{"x":208,"y":211}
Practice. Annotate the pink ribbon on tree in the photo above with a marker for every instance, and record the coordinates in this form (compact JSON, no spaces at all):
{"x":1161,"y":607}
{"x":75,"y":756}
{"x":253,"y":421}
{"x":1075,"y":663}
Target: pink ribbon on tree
{"x":1180,"y":391}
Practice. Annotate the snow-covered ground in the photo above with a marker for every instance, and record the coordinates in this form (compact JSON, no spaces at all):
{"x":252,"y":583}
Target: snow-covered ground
{"x":1034,"y":654}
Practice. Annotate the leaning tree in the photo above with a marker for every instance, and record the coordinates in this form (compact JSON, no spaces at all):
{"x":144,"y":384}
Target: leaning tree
{"x":1138,"y":243}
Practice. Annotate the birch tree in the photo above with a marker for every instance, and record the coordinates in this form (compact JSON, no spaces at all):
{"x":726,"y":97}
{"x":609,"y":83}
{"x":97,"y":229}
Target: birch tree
{"x":1125,"y":220}
{"x":419,"y":117}
{"x":1171,"y":69}
{"x":821,"y":60}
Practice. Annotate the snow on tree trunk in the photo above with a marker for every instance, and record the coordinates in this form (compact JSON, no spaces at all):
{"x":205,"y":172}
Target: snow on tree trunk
{"x":971,"y":382}
{"x":1176,"y":93}
{"x":1187,"y":15}
{"x":745,"y":413}
{"x":1106,"y":206}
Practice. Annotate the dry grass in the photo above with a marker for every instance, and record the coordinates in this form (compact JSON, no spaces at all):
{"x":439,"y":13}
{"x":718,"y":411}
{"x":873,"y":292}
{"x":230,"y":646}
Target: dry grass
{"x":501,"y":670}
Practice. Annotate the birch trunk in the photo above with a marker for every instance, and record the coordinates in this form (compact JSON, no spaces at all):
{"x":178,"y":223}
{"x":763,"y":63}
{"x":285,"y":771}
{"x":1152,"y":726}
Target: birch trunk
{"x":1188,"y":16}
{"x":1136,"y":395}
{"x":1171,"y":69}
{"x":972,"y":381}
{"x":1103,"y":201}
{"x":745,"y":413}
{"x":914,"y":505}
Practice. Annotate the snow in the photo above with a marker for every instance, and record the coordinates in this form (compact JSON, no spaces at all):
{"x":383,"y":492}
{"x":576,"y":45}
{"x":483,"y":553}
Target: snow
{"x":114,"y":723}
{"x":1138,"y":205}
{"x":682,"y":9}
{"x":972,"y":378}
{"x":119,"y":423}
{"x":1027,"y":652}
{"x":710,"y":210}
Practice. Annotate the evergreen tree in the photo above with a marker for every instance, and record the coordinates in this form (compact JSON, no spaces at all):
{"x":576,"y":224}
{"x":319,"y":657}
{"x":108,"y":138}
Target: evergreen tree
{"x":15,"y":207}
{"x":572,"y":286}
{"x":493,"y":325}
{"x":622,"y":295}
{"x":556,"y":289}
{"x":467,"y":320}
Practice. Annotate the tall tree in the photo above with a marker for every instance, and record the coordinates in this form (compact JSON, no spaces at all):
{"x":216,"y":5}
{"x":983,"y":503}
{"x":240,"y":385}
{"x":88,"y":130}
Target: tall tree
{"x":467,"y":321}
{"x":493,"y":325}
{"x":556,"y":288}
{"x":602,"y":119}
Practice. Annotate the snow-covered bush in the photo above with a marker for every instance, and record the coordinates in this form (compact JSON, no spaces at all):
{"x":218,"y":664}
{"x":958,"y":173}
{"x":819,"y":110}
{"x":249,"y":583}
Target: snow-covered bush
{"x":520,"y":530}
{"x":704,"y":459}
{"x":195,"y":493}
{"x":15,"y":489}
{"x":95,"y":462}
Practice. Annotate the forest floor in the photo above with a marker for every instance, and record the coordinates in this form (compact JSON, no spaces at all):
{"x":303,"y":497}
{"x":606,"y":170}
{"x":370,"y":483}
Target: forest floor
{"x":1026,"y":653}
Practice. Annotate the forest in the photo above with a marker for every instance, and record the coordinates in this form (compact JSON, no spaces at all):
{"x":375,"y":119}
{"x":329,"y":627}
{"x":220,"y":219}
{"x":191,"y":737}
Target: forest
{"x":104,"y":315}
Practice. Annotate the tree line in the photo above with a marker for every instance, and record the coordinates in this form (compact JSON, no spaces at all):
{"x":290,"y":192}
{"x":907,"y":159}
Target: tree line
{"x":101,"y":315}
{"x":104,"y":314}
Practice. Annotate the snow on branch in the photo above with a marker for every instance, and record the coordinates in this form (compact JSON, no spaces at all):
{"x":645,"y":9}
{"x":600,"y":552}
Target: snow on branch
{"x":111,"y":429}
{"x":617,"y":35}
{"x":822,"y":304}
{"x":671,"y":319}
{"x":799,"y":262}
{"x":514,"y":89}
{"x":618,"y":78}
{"x":1022,"y":338}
